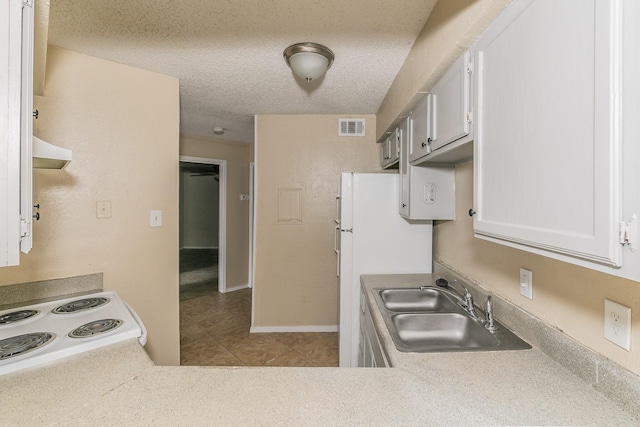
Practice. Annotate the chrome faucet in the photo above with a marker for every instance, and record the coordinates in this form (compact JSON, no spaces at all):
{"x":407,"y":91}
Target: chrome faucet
{"x":466,"y":300}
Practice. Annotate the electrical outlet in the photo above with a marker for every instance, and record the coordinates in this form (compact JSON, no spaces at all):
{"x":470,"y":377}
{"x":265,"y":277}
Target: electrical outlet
{"x":430,"y":193}
{"x":617,"y":324}
{"x":526,"y":283}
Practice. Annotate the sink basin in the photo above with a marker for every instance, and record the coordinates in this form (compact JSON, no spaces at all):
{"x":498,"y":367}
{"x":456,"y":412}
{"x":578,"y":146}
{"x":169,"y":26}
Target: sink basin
{"x":416,"y":299}
{"x":429,"y":319}
{"x":441,"y":332}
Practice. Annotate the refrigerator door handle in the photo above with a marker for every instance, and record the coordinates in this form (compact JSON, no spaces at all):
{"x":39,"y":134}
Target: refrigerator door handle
{"x":336,"y":235}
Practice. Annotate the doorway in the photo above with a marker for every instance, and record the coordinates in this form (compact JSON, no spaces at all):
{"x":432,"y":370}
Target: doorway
{"x":202,"y":224}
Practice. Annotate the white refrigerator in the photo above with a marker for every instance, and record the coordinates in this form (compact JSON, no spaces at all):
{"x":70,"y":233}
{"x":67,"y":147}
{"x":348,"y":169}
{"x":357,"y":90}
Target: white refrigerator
{"x":372,"y":238}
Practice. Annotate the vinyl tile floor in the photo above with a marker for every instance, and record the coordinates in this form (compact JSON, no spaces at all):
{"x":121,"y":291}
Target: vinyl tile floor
{"x":214,"y":331}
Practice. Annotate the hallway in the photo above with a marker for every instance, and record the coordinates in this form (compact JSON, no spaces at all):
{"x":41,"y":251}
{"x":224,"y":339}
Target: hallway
{"x":214,"y":331}
{"x":214,"y":327}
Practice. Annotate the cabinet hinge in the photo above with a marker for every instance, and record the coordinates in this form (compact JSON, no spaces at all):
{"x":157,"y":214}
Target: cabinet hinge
{"x":27,"y":3}
{"x":25,"y":228}
{"x":628,"y":233}
{"x":470,"y":117}
{"x":470,"y":67}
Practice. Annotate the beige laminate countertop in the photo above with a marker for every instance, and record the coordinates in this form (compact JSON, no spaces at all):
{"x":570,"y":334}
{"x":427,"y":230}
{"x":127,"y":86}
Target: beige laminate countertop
{"x":119,"y":385}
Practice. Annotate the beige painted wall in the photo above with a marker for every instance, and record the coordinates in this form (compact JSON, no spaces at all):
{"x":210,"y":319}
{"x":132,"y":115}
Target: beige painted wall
{"x":238,"y":156}
{"x":452,"y":27}
{"x":295,"y":277}
{"x":122,"y":124}
{"x":566,"y":296}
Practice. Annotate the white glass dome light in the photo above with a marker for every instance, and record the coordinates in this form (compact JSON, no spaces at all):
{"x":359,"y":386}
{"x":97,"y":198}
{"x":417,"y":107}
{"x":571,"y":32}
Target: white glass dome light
{"x":308,"y":61}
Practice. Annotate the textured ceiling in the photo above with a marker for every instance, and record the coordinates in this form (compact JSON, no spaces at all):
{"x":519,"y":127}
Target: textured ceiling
{"x":228,"y":54}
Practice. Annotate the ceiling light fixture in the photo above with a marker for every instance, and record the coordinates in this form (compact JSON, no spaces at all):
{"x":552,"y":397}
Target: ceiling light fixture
{"x":308,"y":60}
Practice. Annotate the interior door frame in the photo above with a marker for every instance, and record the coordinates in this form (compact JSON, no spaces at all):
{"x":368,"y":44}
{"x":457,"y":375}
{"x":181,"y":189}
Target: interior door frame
{"x":252,"y":177}
{"x":222,"y":215}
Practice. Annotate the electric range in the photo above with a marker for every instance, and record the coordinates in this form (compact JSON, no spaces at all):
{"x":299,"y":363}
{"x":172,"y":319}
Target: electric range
{"x":41,"y":333}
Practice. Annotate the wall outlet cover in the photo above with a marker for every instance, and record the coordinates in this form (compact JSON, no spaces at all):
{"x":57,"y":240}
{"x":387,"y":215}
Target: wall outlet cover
{"x":617,"y":324}
{"x":526,"y":283}
{"x":155,"y":218}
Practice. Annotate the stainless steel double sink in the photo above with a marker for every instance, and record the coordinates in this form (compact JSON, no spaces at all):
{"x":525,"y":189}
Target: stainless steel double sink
{"x":429,"y":319}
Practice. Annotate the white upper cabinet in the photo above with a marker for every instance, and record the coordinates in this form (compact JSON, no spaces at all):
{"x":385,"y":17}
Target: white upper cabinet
{"x":16,"y":38}
{"x":403,"y":132}
{"x":547,"y":143}
{"x":443,"y":118}
{"x":420,"y":126}
{"x":427,"y":192}
{"x":390,"y":150}
{"x":451,"y":104}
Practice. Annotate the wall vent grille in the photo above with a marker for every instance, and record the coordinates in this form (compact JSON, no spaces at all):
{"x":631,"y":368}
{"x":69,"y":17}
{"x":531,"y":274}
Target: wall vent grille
{"x":351,"y":127}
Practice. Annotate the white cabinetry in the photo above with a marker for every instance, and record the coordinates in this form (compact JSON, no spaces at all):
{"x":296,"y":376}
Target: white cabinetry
{"x":16,"y":45}
{"x":451,"y":104}
{"x":444,"y":115}
{"x":547,"y":131}
{"x":427,"y":192}
{"x":420,"y":129}
{"x":371,"y":354}
{"x":390,"y":150}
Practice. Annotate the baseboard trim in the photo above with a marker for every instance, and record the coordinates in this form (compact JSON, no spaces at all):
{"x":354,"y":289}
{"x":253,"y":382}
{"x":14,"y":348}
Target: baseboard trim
{"x":310,"y":328}
{"x":236,"y":288}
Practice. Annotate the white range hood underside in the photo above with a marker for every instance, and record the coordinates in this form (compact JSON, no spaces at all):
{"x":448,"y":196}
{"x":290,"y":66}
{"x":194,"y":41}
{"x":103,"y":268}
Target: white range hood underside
{"x":49,"y":156}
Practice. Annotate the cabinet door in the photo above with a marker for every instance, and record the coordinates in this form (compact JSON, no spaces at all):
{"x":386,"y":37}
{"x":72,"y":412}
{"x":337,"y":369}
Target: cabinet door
{"x":394,"y":147}
{"x":403,"y":133}
{"x":420,"y":131}
{"x":390,"y":150}
{"x":547,"y":142}
{"x":26,"y":128}
{"x":451,"y":104}
{"x":384,"y":152}
{"x":15,"y":125}
{"x":427,"y":192}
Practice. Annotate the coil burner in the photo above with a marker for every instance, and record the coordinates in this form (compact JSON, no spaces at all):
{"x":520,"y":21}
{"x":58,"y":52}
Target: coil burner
{"x":21,"y":344}
{"x":80,"y":305}
{"x":17,"y":316}
{"x":35,"y":334}
{"x":94,"y":328}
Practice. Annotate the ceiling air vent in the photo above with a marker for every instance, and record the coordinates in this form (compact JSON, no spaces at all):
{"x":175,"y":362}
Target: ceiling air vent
{"x":351,"y":127}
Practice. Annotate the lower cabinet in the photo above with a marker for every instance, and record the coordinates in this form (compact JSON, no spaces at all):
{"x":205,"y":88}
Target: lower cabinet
{"x":371,"y":354}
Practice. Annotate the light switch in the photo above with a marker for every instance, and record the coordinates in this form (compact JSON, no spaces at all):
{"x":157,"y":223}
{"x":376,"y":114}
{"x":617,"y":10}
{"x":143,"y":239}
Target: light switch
{"x":155,"y":218}
{"x":526,"y":283}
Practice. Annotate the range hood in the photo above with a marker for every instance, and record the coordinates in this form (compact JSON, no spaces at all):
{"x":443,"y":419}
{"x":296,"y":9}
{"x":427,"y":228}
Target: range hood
{"x":49,"y":156}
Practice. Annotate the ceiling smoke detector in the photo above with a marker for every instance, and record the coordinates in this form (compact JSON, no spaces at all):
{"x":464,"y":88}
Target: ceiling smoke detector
{"x":218,"y":130}
{"x":308,"y":60}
